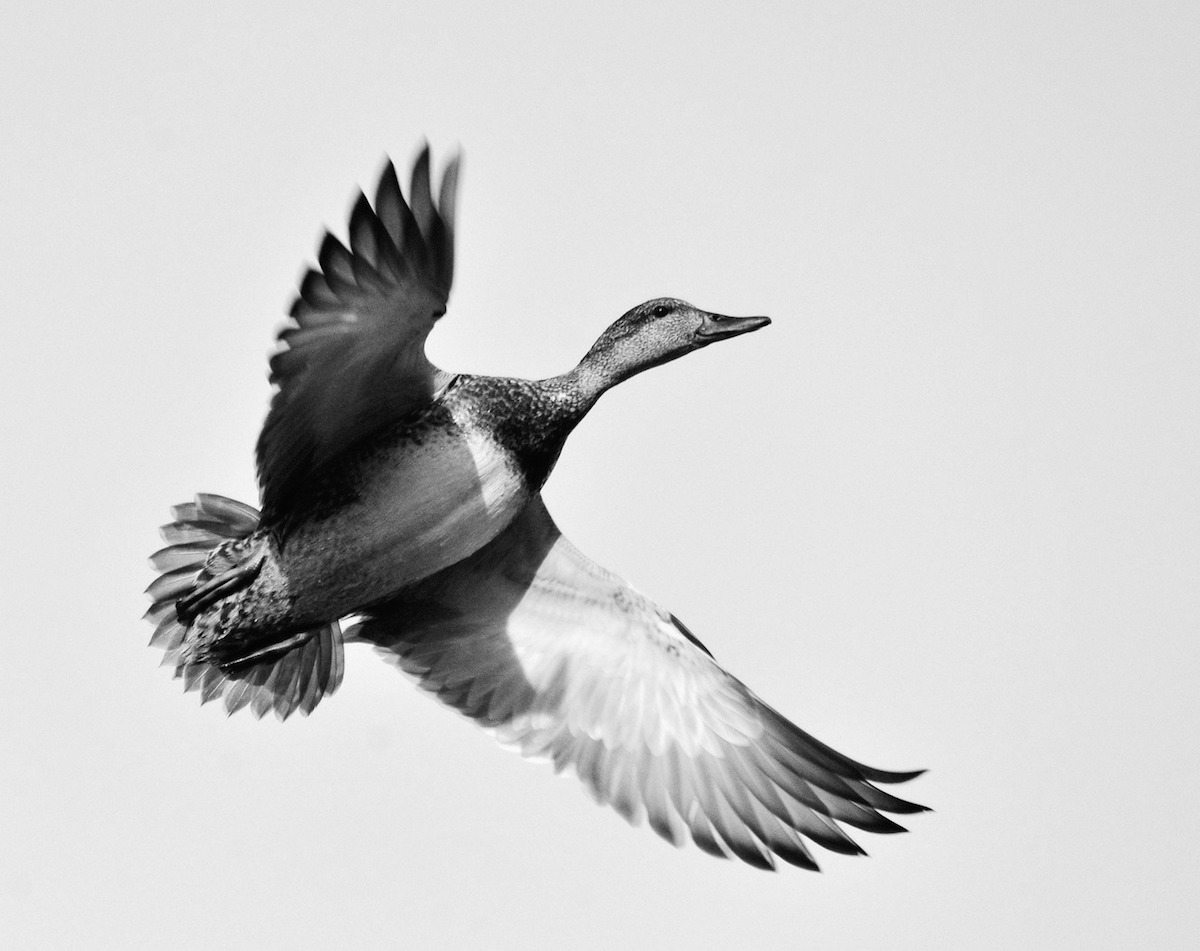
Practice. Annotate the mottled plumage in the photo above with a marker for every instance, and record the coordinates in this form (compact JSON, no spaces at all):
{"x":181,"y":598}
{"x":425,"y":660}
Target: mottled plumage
{"x":410,"y":497}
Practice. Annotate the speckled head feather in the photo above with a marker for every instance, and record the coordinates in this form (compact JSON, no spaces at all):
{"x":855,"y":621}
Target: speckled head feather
{"x":654,"y":333}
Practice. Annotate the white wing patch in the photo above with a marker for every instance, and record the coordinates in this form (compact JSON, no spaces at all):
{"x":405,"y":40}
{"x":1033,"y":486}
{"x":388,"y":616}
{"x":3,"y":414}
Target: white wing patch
{"x":500,"y":482}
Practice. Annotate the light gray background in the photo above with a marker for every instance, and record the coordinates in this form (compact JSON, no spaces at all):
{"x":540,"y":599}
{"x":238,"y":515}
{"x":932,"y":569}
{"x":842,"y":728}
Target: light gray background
{"x":942,"y":513}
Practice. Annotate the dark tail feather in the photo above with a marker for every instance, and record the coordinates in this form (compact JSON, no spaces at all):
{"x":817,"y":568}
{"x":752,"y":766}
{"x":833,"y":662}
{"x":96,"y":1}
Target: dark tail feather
{"x":288,"y":680}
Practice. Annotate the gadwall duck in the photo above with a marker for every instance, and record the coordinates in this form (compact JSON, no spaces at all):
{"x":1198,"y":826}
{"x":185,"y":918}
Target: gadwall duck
{"x":409,"y":498}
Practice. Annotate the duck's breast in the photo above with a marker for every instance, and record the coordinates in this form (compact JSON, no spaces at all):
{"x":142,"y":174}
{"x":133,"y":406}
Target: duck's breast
{"x":408,"y":505}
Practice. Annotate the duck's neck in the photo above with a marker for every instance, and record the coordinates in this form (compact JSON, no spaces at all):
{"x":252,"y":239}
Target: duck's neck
{"x":543,"y":414}
{"x":597,"y":373}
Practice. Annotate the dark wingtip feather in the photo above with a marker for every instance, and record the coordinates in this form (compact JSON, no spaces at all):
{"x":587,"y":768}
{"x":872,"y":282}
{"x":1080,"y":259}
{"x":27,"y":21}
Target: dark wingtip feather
{"x":757,"y":859}
{"x":388,"y":179}
{"x":420,"y":194}
{"x":336,"y":262}
{"x":886,"y":826}
{"x":885,"y":801}
{"x":887,"y":775}
{"x":800,"y":862}
{"x":448,"y":196}
{"x":796,"y":855}
{"x":389,"y":203}
{"x":316,"y":292}
{"x":710,"y":847}
{"x":423,"y":153}
{"x":905,"y":808}
{"x":842,"y":844}
{"x":363,"y":236}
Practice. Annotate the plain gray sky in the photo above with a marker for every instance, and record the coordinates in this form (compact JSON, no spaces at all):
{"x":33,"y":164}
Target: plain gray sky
{"x":942,"y":513}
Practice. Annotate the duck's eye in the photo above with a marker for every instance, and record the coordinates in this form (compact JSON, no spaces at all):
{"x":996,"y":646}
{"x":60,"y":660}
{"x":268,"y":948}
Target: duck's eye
{"x":660,"y":311}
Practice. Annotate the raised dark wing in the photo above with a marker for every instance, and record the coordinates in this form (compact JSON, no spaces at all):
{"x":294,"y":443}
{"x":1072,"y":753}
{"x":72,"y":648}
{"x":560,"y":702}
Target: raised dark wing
{"x":561,"y":659}
{"x":353,"y":357}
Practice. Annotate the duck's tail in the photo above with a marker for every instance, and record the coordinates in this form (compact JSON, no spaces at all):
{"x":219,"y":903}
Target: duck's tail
{"x":286,"y":677}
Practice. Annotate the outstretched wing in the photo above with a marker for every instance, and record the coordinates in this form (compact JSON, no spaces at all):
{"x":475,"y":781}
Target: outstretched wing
{"x":353,"y":358}
{"x":562,"y":659}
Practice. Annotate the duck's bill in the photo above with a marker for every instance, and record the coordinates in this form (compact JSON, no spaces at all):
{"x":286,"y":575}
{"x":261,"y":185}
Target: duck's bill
{"x":718,"y":326}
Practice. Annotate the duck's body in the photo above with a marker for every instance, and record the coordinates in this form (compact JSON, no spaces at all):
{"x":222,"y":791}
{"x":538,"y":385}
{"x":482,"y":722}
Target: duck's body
{"x":412,"y":499}
{"x":423,"y":495}
{"x":409,"y":496}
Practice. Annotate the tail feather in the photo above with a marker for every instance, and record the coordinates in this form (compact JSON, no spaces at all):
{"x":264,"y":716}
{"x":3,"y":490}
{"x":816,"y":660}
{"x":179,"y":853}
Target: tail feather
{"x":170,"y":584}
{"x":219,"y":515}
{"x":175,"y":557}
{"x":288,"y":681}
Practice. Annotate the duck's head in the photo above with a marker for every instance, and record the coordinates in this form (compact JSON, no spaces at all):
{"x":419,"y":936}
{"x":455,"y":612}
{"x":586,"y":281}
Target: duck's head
{"x":657,"y":331}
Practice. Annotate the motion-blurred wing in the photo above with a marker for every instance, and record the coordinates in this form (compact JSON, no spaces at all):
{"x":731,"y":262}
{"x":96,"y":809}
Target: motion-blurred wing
{"x":353,"y":358}
{"x":562,"y":659}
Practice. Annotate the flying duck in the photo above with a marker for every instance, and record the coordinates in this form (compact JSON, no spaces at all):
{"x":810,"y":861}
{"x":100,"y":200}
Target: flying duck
{"x":408,"y":498}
